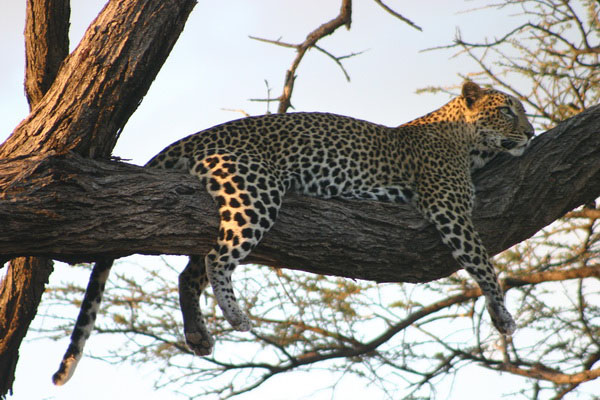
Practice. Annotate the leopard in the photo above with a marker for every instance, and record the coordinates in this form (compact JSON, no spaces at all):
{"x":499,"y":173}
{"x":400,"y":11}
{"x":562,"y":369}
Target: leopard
{"x":248,"y":165}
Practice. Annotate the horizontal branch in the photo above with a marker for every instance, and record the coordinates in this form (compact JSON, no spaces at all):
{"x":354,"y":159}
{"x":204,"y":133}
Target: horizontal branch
{"x":74,"y":209}
{"x":556,"y":377}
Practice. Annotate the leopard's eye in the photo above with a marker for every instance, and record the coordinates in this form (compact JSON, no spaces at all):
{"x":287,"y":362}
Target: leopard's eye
{"x":507,"y":111}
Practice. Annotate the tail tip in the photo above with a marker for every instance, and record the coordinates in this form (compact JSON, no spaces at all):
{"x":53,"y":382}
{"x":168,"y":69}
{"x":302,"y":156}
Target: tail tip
{"x":65,"y":371}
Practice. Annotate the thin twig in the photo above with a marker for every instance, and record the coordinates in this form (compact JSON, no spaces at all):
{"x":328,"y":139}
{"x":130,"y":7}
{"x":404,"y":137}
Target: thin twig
{"x":337,"y":59}
{"x":243,"y":112}
{"x":276,"y":42}
{"x":399,"y":16}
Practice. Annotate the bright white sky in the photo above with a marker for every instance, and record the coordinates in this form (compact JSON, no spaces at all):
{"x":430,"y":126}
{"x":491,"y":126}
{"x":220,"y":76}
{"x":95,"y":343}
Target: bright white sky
{"x":213,"y":66}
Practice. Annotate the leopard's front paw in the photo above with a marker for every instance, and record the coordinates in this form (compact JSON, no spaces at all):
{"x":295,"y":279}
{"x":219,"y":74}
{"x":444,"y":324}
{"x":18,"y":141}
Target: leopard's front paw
{"x":239,"y":321}
{"x":502,"y":319}
{"x":505,"y":326}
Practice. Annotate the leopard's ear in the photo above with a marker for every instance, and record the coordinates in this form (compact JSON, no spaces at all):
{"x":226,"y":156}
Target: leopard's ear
{"x":471,"y":92}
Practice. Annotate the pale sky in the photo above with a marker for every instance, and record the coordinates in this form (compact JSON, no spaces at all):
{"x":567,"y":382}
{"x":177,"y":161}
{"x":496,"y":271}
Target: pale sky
{"x":215,"y":66}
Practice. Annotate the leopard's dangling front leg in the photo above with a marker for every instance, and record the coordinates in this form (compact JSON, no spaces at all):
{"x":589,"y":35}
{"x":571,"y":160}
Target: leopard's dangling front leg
{"x":219,"y":275}
{"x":458,"y":233}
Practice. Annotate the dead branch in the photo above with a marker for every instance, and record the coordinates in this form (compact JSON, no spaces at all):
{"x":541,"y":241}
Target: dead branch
{"x":344,"y":18}
{"x":397,"y":15}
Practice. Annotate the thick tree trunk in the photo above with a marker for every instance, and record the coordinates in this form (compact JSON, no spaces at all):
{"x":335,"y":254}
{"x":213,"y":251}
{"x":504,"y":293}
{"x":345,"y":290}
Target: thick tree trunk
{"x":116,"y":209}
{"x":78,"y":106}
{"x":46,"y":47}
{"x":20,"y":294}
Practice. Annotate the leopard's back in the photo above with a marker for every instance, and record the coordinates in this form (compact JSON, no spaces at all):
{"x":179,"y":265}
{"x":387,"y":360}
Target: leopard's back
{"x":317,"y":154}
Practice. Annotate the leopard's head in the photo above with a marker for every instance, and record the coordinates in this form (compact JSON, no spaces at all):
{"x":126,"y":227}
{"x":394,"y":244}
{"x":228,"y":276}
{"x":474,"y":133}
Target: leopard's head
{"x":499,"y":119}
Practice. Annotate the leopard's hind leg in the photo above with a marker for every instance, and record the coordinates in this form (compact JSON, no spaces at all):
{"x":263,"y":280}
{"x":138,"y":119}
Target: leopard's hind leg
{"x":192,"y":282}
{"x":248,"y":193}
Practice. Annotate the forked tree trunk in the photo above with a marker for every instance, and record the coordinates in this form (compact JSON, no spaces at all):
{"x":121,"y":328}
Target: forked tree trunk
{"x":81,"y":109}
{"x":46,"y":46}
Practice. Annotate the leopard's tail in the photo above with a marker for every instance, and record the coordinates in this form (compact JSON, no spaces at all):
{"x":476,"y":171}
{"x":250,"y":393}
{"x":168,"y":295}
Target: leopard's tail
{"x":85,"y":321}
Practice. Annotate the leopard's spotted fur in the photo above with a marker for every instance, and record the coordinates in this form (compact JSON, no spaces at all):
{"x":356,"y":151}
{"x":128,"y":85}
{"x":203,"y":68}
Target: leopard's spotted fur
{"x":248,"y":165}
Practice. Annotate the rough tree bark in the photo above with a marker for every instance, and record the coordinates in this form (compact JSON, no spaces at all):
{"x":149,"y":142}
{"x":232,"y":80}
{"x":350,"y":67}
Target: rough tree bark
{"x":46,"y":46}
{"x":80,"y":108}
{"x":103,"y":81}
{"x":116,"y":209}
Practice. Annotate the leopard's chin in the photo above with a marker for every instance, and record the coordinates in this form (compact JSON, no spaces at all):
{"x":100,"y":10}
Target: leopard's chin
{"x":517,"y":151}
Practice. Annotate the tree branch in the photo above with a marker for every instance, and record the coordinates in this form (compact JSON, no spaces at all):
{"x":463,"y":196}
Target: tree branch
{"x":326,"y":29}
{"x":399,"y":16}
{"x":347,"y":348}
{"x":46,"y":45}
{"x":103,"y":81}
{"x":344,"y":18}
{"x":116,"y":209}
{"x":20,"y":293}
{"x":556,"y":377}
